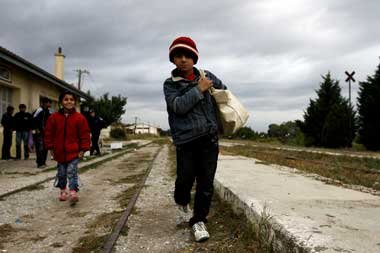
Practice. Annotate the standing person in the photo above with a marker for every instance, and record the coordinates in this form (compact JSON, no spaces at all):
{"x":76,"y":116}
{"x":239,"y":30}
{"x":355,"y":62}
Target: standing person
{"x":40,"y":118}
{"x":67,"y":135}
{"x":193,"y":125}
{"x":96,"y":124}
{"x":22,"y":125}
{"x":7,"y":122}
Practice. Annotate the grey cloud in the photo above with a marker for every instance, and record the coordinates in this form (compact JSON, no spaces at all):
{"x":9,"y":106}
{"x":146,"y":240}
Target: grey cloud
{"x":270,"y":53}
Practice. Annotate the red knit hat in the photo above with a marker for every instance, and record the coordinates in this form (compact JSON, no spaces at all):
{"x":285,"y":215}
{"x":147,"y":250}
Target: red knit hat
{"x":185,"y":43}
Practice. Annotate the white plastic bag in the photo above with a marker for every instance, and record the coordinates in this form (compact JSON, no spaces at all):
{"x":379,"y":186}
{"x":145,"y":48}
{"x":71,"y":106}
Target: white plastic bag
{"x":232,"y":115}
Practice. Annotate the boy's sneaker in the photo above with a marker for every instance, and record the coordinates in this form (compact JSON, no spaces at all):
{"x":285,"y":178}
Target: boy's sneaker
{"x":73,"y":196}
{"x":200,"y":232}
{"x":184,"y":215}
{"x":63,"y":195}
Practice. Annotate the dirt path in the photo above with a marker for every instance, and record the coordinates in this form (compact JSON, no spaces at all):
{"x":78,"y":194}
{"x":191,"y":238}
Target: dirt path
{"x":35,"y":221}
{"x":155,"y":225}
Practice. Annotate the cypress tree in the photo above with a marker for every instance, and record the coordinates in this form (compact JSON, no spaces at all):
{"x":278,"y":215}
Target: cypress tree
{"x":326,"y":120}
{"x":369,"y":111}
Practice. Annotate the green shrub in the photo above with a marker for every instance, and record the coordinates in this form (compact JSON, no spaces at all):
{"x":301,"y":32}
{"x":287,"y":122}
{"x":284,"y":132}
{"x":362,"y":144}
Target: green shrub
{"x":117,"y":133}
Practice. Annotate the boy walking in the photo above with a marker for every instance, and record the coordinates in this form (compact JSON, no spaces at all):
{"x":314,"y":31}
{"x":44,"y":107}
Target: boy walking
{"x":193,"y":125}
{"x":67,"y":135}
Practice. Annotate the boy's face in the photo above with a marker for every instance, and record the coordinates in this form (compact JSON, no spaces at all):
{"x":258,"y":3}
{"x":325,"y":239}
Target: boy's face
{"x":46,"y":105}
{"x":183,"y":60}
{"x":68,"y":102}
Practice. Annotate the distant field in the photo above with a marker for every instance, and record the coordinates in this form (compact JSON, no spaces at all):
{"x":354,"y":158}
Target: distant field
{"x":342,"y":151}
{"x":341,"y":165}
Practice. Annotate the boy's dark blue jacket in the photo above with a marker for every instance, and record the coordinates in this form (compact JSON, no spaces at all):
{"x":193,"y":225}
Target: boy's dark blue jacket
{"x":192,"y":114}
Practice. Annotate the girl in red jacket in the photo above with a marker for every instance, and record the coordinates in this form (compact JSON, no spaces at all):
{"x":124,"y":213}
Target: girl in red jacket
{"x":67,"y":135}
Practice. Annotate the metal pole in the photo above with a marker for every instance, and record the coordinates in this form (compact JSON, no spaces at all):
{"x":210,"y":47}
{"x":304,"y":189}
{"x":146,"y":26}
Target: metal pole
{"x":349,"y":91}
{"x":349,"y":114}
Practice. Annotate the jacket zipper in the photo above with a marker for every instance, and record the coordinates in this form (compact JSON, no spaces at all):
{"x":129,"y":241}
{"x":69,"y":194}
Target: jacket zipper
{"x":64,"y":137}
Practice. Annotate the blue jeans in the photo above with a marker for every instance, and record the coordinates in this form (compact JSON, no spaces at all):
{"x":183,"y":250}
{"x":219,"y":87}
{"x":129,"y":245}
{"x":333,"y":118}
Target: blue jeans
{"x":22,"y":136}
{"x":68,"y":170}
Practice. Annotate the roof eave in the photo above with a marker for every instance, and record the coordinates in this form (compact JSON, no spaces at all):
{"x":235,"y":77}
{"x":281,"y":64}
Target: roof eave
{"x":22,"y":63}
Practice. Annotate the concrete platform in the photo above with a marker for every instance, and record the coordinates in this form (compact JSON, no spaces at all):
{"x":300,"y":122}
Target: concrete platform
{"x":306,"y":215}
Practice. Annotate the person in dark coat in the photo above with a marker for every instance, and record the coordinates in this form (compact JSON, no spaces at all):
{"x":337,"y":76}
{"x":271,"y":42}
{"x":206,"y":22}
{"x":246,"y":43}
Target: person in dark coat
{"x":40,"y":117}
{"x":7,"y":123}
{"x":96,"y":124}
{"x":22,"y":124}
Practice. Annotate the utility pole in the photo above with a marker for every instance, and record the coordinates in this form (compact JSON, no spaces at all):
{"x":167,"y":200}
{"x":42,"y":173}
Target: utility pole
{"x":80,"y":72}
{"x":135,"y":125}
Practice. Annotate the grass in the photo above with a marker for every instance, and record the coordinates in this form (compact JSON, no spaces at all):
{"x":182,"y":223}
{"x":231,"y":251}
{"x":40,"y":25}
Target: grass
{"x":230,"y":232}
{"x":348,"y":170}
{"x":90,"y":243}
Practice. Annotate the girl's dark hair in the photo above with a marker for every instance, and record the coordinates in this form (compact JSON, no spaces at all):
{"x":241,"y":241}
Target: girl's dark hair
{"x":63,"y":94}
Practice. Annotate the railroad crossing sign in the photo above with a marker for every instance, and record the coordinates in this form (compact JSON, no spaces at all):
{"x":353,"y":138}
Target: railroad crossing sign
{"x":350,"y":77}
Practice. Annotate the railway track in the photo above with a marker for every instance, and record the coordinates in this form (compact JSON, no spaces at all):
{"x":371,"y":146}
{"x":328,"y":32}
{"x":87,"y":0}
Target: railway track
{"x":81,"y":169}
{"x":109,"y":244}
{"x":119,"y":162}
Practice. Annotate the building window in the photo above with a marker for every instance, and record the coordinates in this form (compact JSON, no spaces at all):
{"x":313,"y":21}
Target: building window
{"x":5,"y":74}
{"x":5,"y":99}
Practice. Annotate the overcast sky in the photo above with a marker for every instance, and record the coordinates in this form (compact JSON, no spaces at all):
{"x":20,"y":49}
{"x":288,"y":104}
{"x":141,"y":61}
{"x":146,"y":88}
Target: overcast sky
{"x":271,"y":54}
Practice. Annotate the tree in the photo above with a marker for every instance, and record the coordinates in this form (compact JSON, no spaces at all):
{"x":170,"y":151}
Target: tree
{"x":336,"y":129}
{"x":287,"y":132}
{"x":246,"y":133}
{"x":109,"y":109}
{"x":327,"y":119}
{"x":369,"y":111}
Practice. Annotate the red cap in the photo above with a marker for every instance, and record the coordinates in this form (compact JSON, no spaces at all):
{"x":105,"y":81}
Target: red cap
{"x":185,"y":43}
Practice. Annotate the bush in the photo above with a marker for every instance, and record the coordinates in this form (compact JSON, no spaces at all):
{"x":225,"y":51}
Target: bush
{"x":118,"y":133}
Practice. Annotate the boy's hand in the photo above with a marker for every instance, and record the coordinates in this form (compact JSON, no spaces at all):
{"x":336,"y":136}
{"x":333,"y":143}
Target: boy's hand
{"x":80,"y":154}
{"x":204,"y":84}
{"x":52,"y":153}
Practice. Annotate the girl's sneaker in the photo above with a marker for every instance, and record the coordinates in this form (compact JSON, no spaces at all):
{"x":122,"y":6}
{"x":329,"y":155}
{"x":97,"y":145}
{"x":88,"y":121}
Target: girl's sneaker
{"x":200,"y":232}
{"x":63,"y":195}
{"x":73,"y":196}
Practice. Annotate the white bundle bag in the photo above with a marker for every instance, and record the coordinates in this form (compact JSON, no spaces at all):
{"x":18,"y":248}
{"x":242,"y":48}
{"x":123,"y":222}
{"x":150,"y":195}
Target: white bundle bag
{"x":232,"y":115}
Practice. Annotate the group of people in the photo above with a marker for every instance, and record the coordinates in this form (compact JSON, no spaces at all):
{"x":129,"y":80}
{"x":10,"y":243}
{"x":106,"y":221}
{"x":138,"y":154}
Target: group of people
{"x":29,"y":128}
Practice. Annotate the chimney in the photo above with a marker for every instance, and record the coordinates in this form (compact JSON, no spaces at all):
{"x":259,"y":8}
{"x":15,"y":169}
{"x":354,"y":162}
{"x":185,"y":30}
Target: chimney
{"x":59,"y":64}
